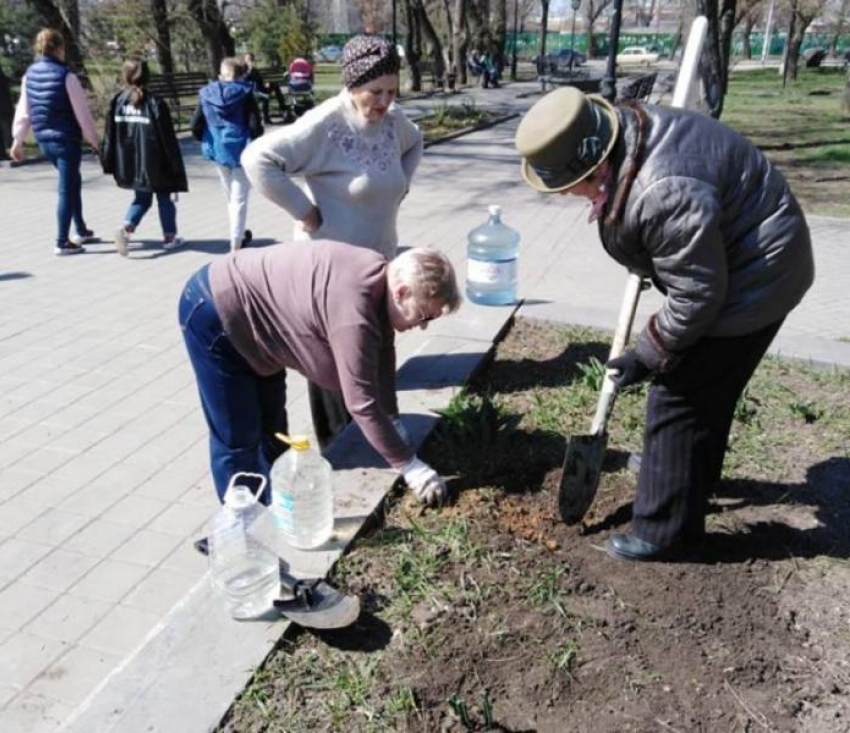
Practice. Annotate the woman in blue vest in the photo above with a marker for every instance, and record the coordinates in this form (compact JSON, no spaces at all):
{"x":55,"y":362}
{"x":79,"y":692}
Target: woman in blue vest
{"x":54,"y":104}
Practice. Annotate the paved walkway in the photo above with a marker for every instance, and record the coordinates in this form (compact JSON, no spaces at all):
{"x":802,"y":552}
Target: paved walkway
{"x":107,"y":621}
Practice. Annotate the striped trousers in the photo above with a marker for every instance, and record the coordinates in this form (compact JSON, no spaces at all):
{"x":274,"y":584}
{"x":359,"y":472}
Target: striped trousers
{"x":689,"y":415}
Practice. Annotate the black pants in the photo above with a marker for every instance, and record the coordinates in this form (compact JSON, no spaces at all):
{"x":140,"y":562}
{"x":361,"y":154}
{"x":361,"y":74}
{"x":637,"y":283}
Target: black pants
{"x":329,"y":414}
{"x":689,"y":415}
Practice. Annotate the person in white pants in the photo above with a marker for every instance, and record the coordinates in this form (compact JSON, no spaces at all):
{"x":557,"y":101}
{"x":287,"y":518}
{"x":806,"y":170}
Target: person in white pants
{"x":226,"y":120}
{"x":236,"y":189}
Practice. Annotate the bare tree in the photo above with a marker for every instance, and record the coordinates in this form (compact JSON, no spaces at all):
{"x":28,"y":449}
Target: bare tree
{"x":430,"y":38}
{"x":748,"y":12}
{"x":840,"y":24}
{"x":159,"y":10}
{"x":541,"y":43}
{"x":712,"y":70}
{"x":413,"y":45}
{"x":803,"y":12}
{"x":217,"y":39}
{"x":459,"y":37}
{"x":500,"y":31}
{"x":593,"y":10}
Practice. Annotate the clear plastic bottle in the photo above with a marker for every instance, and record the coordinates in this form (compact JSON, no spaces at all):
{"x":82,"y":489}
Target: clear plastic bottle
{"x":244,"y":572}
{"x":491,"y":269}
{"x":302,"y":494}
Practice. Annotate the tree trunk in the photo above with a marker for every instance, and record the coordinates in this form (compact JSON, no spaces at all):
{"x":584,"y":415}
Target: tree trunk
{"x":727,"y":26}
{"x":803,"y":22}
{"x":159,"y":10}
{"x":451,"y":34}
{"x":460,"y":40}
{"x":7,"y":114}
{"x":745,"y":36}
{"x":787,"y":61}
{"x":711,"y":66}
{"x":541,"y":41}
{"x":65,"y":17}
{"x":500,"y":32}
{"x":431,"y":38}
{"x":413,"y":46}
{"x":217,"y":38}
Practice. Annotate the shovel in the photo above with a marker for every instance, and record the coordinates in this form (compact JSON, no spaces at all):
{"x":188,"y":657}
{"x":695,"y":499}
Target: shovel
{"x":583,"y":461}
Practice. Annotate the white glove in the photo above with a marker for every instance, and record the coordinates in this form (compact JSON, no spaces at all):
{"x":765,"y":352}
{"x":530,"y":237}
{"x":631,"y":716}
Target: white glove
{"x":424,"y":481}
{"x":401,"y":430}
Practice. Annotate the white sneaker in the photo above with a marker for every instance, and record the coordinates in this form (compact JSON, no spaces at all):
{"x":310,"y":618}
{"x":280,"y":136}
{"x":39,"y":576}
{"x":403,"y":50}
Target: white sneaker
{"x":122,"y":239}
{"x":88,"y":238}
{"x":175,"y":243}
{"x":69,"y":249}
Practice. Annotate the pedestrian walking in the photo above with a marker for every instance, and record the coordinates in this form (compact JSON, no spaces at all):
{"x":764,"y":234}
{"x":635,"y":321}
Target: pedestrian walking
{"x":329,"y":311}
{"x":226,"y":120}
{"x":356,"y":155}
{"x":688,"y":202}
{"x":53,"y":103}
{"x":141,"y":151}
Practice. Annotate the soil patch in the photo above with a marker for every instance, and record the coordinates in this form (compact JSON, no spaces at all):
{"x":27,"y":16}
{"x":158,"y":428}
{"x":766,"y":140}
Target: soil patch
{"x":491,"y":615}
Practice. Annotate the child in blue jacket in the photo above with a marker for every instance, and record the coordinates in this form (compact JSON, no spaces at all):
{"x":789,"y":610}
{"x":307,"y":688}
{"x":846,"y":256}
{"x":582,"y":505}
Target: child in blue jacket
{"x":226,"y":120}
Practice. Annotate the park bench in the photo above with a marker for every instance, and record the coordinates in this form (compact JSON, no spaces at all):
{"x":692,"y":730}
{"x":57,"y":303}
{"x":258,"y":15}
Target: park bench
{"x":275,"y":78}
{"x":180,"y":92}
{"x":636,"y":88}
{"x":578,"y":78}
{"x":436,"y":82}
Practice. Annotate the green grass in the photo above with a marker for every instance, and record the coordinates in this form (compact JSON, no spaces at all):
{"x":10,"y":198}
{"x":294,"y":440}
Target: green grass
{"x":806,"y":112}
{"x":758,"y":106}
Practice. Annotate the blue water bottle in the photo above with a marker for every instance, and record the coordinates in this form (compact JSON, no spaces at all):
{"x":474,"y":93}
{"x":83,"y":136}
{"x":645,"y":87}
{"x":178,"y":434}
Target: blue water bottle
{"x":491,"y":265}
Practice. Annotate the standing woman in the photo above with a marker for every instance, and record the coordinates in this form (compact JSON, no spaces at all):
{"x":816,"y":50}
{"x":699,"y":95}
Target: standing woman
{"x":54,"y":104}
{"x":354,"y":156}
{"x":141,"y":151}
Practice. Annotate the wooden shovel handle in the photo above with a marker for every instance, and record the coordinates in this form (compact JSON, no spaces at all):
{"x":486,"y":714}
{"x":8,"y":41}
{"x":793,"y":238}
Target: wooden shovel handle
{"x":625,"y":321}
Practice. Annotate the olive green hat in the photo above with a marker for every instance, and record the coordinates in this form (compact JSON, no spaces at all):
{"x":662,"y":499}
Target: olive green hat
{"x":564,"y":138}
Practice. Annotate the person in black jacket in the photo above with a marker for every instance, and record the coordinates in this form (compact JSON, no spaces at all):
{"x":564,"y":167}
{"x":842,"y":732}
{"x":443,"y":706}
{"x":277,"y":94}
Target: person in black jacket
{"x":262,"y":90}
{"x":141,"y":151}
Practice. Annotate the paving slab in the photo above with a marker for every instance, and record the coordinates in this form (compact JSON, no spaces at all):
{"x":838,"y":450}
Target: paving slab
{"x":103,"y":473}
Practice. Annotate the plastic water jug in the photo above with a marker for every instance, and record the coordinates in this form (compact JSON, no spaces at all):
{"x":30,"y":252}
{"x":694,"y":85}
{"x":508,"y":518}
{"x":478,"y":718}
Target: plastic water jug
{"x":491,"y":267}
{"x":244,"y":572}
{"x":302,"y":494}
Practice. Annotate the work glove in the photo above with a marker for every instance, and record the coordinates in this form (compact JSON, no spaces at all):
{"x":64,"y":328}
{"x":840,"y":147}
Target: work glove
{"x":401,"y":430}
{"x":424,"y":481}
{"x":631,"y":370}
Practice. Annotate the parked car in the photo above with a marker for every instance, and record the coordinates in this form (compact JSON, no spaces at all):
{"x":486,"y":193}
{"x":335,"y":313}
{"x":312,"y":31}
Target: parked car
{"x":637,"y":56}
{"x":331,"y":54}
{"x":560,"y":60}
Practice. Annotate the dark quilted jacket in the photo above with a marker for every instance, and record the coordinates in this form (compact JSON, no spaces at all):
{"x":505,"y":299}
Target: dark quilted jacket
{"x":714,"y":225}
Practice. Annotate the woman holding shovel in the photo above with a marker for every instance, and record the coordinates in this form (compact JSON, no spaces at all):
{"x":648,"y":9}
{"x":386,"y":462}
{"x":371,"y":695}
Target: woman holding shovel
{"x":689,"y":203}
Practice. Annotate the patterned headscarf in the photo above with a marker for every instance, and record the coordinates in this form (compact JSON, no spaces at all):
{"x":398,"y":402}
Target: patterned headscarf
{"x":365,"y":58}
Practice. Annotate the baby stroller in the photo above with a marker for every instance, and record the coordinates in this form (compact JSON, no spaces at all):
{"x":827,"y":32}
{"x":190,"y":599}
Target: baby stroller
{"x":299,"y":88}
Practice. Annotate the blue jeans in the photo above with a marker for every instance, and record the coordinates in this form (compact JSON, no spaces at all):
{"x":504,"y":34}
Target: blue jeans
{"x":243,"y":409}
{"x":65,"y":157}
{"x":142,"y":202}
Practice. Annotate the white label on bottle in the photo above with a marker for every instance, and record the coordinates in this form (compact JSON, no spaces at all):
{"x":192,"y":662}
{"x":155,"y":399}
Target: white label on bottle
{"x":491,"y":272}
{"x":283,"y":508}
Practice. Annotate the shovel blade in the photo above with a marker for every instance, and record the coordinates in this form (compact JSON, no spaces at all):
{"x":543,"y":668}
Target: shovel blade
{"x":580,"y":477}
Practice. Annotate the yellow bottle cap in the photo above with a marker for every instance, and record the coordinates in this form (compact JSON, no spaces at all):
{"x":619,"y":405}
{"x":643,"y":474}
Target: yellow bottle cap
{"x":299,"y":442}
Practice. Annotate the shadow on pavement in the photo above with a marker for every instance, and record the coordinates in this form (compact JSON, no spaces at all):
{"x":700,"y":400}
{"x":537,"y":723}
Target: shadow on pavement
{"x":14,"y":275}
